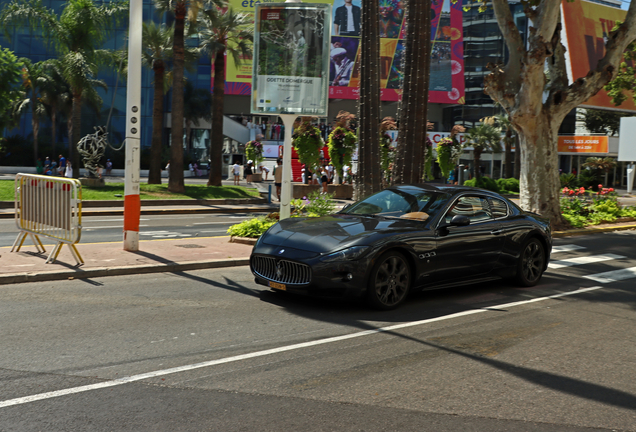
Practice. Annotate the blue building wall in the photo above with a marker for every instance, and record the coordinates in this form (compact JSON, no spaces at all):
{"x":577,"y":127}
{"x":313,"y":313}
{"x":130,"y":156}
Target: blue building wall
{"x":24,"y":44}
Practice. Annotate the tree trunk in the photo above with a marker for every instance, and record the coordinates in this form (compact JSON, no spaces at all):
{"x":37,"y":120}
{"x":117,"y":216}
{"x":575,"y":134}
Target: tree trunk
{"x":369,"y":179}
{"x":540,"y":169}
{"x":154,"y":174}
{"x":508,"y":153}
{"x":175,"y":182}
{"x":408,"y":166}
{"x":75,"y":133}
{"x":517,"y":158}
{"x":35,"y":124}
{"x":216,"y":134}
{"x":53,"y":127}
{"x":476,"y":159}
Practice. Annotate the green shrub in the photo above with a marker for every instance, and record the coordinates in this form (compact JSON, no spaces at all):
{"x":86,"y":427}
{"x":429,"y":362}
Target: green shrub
{"x":314,"y":205}
{"x":508,"y":185}
{"x":484,"y":183}
{"x":253,"y":228}
{"x":569,"y":180}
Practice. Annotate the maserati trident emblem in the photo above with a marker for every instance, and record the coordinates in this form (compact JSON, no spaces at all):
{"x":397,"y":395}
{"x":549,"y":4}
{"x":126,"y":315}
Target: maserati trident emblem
{"x":279,"y":269}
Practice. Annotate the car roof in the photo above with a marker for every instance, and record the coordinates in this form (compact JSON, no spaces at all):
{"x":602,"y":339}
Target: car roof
{"x":443,"y":188}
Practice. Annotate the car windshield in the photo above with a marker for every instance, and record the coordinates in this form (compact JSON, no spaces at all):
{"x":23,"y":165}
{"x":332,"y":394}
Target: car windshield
{"x":412,"y":204}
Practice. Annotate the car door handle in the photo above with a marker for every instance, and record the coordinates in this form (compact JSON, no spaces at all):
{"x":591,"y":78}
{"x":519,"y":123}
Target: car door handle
{"x":496,"y":232}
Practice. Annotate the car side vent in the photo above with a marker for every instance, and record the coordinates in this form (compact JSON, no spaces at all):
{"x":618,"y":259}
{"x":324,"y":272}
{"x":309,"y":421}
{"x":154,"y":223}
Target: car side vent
{"x":281,"y":271}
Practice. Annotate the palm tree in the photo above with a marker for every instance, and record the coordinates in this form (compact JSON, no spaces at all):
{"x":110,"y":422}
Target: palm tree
{"x":369,"y":170}
{"x":408,"y":166}
{"x":55,"y":95}
{"x":222,"y":32}
{"x":180,"y":9}
{"x":157,"y":41}
{"x":76,"y":33}
{"x":503,"y":124}
{"x":481,"y":138}
{"x":197,"y":105}
{"x":34,"y":79}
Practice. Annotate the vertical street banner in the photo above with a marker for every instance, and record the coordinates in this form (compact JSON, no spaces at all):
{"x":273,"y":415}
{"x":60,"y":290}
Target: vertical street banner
{"x":447,"y":50}
{"x":290,"y":68}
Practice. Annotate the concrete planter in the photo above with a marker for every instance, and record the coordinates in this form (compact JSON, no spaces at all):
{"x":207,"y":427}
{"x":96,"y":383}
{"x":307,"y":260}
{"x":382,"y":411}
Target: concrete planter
{"x":343,"y":191}
{"x":257,"y":177}
{"x":300,"y":190}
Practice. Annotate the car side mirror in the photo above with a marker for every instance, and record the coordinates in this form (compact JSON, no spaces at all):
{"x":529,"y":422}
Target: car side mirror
{"x":459,"y":220}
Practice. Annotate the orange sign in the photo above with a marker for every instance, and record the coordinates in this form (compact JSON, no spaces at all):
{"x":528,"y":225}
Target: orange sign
{"x":587,"y":27}
{"x":583,"y":144}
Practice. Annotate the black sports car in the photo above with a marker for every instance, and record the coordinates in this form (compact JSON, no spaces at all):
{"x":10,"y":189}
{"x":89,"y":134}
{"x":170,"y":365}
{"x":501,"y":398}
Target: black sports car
{"x":402,"y":239}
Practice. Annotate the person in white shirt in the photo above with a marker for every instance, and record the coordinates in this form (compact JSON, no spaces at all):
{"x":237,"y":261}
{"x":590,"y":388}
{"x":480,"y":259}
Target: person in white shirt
{"x":236,"y":170}
{"x":347,"y":20}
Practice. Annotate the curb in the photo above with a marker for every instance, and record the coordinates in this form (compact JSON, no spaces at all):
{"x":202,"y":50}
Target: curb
{"x":121,"y":271}
{"x":583,"y":231}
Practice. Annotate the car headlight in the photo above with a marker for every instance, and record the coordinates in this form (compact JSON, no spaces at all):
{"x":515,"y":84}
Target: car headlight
{"x":349,"y":254}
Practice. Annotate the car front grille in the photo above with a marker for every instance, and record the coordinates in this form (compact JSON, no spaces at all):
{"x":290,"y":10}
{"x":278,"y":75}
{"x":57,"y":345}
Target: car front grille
{"x":281,"y":271}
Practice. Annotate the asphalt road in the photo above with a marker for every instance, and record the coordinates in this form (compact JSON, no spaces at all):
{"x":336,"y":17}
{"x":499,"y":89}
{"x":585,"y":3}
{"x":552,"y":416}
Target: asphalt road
{"x":99,"y":229}
{"x":212,"y":351}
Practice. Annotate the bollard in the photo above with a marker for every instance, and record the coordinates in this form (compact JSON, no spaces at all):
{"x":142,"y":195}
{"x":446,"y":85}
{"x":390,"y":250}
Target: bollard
{"x":269,"y":194}
{"x":460,"y":175}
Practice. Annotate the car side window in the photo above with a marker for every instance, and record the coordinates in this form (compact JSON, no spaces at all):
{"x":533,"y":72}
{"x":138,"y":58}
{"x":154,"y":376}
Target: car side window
{"x":474,"y":207}
{"x":499,"y":208}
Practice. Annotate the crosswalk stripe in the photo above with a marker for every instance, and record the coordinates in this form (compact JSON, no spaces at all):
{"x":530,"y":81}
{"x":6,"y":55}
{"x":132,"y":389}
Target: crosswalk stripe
{"x":613,"y":276}
{"x":582,"y":260}
{"x":566,"y":248}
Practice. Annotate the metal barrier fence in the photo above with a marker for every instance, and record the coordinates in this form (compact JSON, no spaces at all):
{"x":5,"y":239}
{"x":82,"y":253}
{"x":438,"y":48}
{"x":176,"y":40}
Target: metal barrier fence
{"x":51,"y":207}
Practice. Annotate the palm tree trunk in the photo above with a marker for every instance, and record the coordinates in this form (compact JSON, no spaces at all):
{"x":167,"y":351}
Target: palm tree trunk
{"x":409,"y":158}
{"x":53,"y":127}
{"x":369,"y":179}
{"x":476,"y":159}
{"x":35,"y":124}
{"x":75,"y":133}
{"x":175,"y":182}
{"x":216,"y":134}
{"x":154,"y":174}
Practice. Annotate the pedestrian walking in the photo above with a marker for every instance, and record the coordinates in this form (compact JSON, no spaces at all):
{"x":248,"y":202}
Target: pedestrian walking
{"x":278,"y":177}
{"x":236,"y":170}
{"x":68,"y":171}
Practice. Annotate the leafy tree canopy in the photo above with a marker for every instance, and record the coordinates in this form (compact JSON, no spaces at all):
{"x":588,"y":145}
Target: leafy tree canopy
{"x":10,"y":72}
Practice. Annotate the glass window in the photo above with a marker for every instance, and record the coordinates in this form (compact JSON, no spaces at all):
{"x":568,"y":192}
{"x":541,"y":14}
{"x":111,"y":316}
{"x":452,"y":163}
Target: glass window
{"x":474,"y":207}
{"x":499,"y":208}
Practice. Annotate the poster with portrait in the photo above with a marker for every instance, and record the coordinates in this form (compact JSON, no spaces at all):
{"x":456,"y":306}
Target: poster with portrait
{"x":447,"y":59}
{"x":291,"y":59}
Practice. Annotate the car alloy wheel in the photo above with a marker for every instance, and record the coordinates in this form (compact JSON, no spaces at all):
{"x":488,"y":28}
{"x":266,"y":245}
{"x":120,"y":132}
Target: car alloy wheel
{"x":390,"y":281}
{"x":531,"y":263}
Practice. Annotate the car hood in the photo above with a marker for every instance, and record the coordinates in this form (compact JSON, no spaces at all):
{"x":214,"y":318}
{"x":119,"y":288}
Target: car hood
{"x":334,"y":232}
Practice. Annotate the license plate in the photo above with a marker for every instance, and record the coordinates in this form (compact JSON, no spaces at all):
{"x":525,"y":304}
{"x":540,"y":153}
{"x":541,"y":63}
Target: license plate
{"x":278,"y":286}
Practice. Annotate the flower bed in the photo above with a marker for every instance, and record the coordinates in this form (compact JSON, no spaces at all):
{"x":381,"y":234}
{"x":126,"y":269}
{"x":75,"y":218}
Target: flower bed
{"x":582,"y":207}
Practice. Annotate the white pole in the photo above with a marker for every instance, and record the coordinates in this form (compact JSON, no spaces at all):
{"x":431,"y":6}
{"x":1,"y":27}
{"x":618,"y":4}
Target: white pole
{"x":286,"y":187}
{"x":630,"y":177}
{"x":132,"y":203}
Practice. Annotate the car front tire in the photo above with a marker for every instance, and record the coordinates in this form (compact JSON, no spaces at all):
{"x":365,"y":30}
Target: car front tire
{"x":531,"y":263}
{"x":390,"y":281}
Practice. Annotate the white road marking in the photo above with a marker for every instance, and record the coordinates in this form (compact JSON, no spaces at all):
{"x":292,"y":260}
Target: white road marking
{"x":613,"y":276}
{"x":566,"y":248}
{"x":174,"y":370}
{"x":217,"y":231}
{"x":210,"y":223}
{"x":582,"y":260}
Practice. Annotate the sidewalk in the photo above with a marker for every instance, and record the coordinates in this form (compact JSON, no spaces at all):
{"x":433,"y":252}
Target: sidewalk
{"x":109,"y":259}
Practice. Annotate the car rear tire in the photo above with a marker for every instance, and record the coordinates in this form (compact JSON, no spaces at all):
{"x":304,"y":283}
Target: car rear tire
{"x":531,"y":263}
{"x":389,"y":282}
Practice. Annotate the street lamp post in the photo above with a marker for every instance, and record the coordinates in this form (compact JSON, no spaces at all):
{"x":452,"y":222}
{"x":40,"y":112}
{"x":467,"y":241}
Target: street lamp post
{"x":132,"y":203}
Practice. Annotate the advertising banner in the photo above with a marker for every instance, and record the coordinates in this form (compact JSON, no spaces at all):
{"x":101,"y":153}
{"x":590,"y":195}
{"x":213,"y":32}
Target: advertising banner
{"x":583,"y":144}
{"x":447,"y":59}
{"x":587,"y":26}
{"x":291,"y":59}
